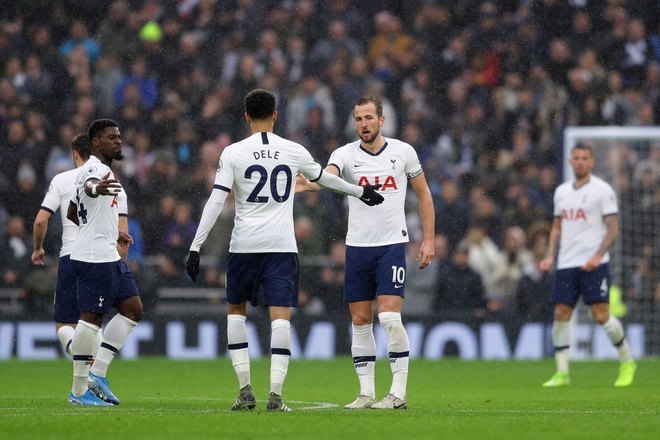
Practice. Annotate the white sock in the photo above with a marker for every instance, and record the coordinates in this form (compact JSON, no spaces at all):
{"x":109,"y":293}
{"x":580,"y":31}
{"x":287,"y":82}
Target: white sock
{"x":99,"y":339}
{"x":561,"y":338}
{"x":82,"y":347}
{"x":237,"y":341}
{"x":114,"y":336}
{"x":398,"y":347}
{"x":65,"y":335}
{"x":614,"y":330}
{"x":363,"y":349}
{"x":280,"y":353}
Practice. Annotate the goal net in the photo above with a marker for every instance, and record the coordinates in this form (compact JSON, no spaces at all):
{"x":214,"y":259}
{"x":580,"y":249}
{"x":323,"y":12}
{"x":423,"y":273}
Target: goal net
{"x":629,"y":159}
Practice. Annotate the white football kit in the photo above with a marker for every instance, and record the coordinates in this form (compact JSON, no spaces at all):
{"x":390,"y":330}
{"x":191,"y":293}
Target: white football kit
{"x":581,"y":211}
{"x":391,"y":167}
{"x":262,"y":169}
{"x":98,"y":217}
{"x":60,"y":192}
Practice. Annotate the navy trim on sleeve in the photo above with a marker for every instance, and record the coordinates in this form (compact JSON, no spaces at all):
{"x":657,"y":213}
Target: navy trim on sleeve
{"x":336,"y":166}
{"x":222,"y":188}
{"x":320,"y":174}
{"x":123,"y":215}
{"x":92,"y":178}
{"x":611,"y":214}
{"x":49,"y":210}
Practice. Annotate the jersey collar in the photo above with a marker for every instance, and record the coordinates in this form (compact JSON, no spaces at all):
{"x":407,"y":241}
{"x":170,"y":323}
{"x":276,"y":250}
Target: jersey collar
{"x":376,"y":153}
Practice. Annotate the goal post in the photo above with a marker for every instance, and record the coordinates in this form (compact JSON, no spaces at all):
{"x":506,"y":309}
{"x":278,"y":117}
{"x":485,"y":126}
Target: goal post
{"x":622,"y":157}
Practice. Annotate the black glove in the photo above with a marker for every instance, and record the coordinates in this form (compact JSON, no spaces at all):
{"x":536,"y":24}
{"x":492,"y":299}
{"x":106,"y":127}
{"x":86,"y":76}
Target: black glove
{"x":192,"y":265}
{"x":370,"y":196}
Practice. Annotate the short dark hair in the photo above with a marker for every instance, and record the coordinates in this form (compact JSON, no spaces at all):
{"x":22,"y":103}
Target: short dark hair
{"x":584,"y":147}
{"x":82,"y":145}
{"x":364,"y":100}
{"x":260,"y":104}
{"x":99,"y":125}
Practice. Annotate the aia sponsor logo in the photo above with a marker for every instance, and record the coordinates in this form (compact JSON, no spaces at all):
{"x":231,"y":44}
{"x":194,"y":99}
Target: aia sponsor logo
{"x":573,"y":214}
{"x":389,"y":182}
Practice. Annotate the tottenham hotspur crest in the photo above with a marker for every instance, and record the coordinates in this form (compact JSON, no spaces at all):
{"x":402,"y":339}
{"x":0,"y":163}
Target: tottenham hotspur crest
{"x":393,"y":163}
{"x":101,"y":301}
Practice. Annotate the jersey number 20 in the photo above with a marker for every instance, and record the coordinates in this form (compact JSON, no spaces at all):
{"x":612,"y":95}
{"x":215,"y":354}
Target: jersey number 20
{"x":254,"y":196}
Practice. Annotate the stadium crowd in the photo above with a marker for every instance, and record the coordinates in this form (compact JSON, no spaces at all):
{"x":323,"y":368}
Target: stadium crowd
{"x":481,"y":89}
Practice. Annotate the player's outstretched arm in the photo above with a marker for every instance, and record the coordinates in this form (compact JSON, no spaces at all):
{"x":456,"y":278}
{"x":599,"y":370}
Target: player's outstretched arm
{"x":103,"y":187}
{"x":332,"y":181}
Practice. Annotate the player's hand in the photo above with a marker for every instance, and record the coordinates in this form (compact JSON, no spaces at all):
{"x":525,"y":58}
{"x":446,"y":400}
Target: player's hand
{"x":301,"y":183}
{"x":426,"y":253}
{"x":108,"y":187}
{"x":592,"y":264}
{"x":370,"y":196}
{"x":124,"y":240}
{"x":546,"y":263}
{"x":192,"y":265}
{"x":38,"y":257}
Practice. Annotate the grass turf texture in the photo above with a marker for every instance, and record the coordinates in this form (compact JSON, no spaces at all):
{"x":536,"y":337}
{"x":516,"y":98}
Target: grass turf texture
{"x":448,"y":399}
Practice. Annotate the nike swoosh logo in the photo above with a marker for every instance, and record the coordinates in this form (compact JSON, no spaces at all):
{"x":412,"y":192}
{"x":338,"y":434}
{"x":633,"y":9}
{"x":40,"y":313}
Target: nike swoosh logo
{"x":398,"y":286}
{"x":356,"y":165}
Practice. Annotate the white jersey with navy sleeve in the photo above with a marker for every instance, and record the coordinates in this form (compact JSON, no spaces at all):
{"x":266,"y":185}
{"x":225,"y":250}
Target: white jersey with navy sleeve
{"x":581,"y":211}
{"x":391,"y":167}
{"x":262,"y":169}
{"x":60,"y":192}
{"x":98,"y":217}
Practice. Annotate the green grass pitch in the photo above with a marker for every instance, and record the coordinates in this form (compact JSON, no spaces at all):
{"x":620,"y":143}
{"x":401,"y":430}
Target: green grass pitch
{"x":447,"y":399}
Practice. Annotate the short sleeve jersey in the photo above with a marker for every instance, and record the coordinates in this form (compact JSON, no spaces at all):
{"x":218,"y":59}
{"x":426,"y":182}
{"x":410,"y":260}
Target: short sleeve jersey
{"x":262,"y":169}
{"x":98,"y":230}
{"x":581,"y":211}
{"x":60,"y":192}
{"x":391,"y":167}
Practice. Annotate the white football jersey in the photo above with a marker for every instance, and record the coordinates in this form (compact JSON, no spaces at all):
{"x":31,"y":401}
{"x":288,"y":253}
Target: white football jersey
{"x":60,"y":192}
{"x":391,"y":167}
{"x":98,"y":217}
{"x":581,"y":211}
{"x":262,"y":169}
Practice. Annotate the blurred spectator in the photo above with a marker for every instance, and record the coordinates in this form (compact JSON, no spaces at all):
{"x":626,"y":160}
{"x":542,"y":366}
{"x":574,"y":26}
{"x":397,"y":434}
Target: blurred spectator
{"x":459,"y":290}
{"x":79,"y":37}
{"x":514,"y":257}
{"x":452,"y":213}
{"x":484,"y":259}
{"x":15,"y":258}
{"x":533,"y":291}
{"x":311,"y":93}
{"x":114,"y":36}
{"x":337,"y":46}
{"x":179,"y":232}
{"x":420,"y":283}
{"x":146,"y":88}
{"x":331,"y":286}
{"x":107,"y":76}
